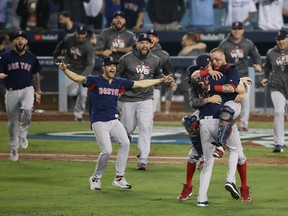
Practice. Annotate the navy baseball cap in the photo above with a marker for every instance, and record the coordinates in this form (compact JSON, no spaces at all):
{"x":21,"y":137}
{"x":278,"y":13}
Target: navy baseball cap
{"x":81,"y":29}
{"x":108,"y":61}
{"x":203,"y":60}
{"x":143,"y":36}
{"x":19,"y":34}
{"x":152,"y":31}
{"x":237,"y":25}
{"x":281,"y":34}
{"x":192,"y":68}
{"x":118,"y":13}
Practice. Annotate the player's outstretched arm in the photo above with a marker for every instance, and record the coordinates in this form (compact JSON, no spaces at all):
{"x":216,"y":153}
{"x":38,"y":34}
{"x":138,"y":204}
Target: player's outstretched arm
{"x":2,"y":75}
{"x":151,"y":82}
{"x":73,"y":76}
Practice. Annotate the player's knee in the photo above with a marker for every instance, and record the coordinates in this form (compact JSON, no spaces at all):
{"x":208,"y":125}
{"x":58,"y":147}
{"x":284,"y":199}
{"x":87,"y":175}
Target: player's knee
{"x":241,"y":159}
{"x":194,"y":158}
{"x":227,"y":114}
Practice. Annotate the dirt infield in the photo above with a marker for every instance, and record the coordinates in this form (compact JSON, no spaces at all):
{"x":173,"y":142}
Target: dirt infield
{"x":159,"y":116}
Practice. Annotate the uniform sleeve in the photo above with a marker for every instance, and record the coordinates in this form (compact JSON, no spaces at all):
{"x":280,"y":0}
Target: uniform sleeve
{"x":90,"y":60}
{"x":126,"y":83}
{"x":267,"y":66}
{"x":37,"y":66}
{"x":100,"y":44}
{"x":254,"y":54}
{"x":167,"y":67}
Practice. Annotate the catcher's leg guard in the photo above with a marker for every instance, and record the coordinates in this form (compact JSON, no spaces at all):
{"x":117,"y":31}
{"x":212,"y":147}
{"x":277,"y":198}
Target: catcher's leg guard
{"x":191,"y":124}
{"x":225,"y":125}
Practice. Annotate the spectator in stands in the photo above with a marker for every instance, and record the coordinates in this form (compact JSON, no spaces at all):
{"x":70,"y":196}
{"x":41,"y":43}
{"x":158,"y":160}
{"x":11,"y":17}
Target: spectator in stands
{"x":79,"y":54}
{"x":191,"y":46}
{"x":13,"y":19}
{"x":201,"y":14}
{"x":34,"y":14}
{"x":66,"y":22}
{"x":54,"y":14}
{"x":270,"y":15}
{"x":94,"y":12}
{"x":243,"y":11}
{"x":116,"y":40}
{"x":3,"y":8}
{"x":285,"y":12}
{"x":111,"y":6}
{"x":167,"y":69}
{"x":166,"y":14}
{"x":76,"y":8}
{"x":276,"y":77}
{"x":237,"y":50}
{"x":134,"y":12}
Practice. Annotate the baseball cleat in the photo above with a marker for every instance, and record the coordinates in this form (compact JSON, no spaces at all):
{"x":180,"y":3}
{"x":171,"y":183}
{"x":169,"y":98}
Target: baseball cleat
{"x":186,"y":192}
{"x":142,"y":166}
{"x":23,"y":142}
{"x":231,"y":187}
{"x":245,"y":196}
{"x":278,"y":149}
{"x":14,"y":156}
{"x":95,"y":184}
{"x":203,"y":204}
{"x":122,"y":183}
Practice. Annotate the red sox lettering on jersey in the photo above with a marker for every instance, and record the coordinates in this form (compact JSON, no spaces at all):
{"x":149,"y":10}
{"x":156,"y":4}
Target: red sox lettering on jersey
{"x":19,"y":65}
{"x":108,"y":91}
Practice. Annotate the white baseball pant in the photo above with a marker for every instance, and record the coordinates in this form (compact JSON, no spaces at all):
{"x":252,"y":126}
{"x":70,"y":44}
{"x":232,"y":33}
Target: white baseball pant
{"x":279,"y":103}
{"x":141,"y":113}
{"x":103,"y":131}
{"x":19,"y":102}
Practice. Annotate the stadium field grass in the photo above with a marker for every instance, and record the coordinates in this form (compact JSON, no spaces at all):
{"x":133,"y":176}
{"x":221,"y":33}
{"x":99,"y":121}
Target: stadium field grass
{"x":62,"y":188}
{"x":50,"y":188}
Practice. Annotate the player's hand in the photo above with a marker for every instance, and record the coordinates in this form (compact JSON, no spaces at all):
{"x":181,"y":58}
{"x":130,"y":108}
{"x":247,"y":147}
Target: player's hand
{"x":107,"y":53}
{"x":168,"y":78}
{"x":38,"y":98}
{"x":241,"y":88}
{"x":239,"y":98}
{"x":173,"y":86}
{"x":61,"y":65}
{"x":215,"y":99}
{"x":215,"y":74}
{"x":264,"y":82}
{"x":246,"y":80}
{"x":2,"y":75}
{"x":257,"y":67}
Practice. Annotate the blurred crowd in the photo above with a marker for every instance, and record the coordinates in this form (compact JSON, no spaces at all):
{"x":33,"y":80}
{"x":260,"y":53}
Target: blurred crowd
{"x":145,"y":14}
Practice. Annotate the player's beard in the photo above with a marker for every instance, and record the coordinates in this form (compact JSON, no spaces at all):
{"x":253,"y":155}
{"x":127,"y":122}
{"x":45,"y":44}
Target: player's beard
{"x":118,"y":25}
{"x":20,"y":48}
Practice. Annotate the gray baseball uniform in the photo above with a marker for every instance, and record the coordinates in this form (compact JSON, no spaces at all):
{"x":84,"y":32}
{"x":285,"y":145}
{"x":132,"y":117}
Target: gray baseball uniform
{"x":137,"y":104}
{"x":81,"y":58}
{"x":276,"y":71}
{"x":110,"y":37}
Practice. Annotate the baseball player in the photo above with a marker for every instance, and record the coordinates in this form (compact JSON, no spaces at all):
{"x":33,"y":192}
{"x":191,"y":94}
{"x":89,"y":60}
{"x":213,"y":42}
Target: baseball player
{"x":276,"y":76}
{"x":79,"y":54}
{"x":167,"y":69}
{"x":104,"y":92}
{"x":116,"y":40}
{"x":19,"y":69}
{"x":227,"y":117}
{"x":191,"y":124}
{"x":237,"y":49}
{"x":137,"y":104}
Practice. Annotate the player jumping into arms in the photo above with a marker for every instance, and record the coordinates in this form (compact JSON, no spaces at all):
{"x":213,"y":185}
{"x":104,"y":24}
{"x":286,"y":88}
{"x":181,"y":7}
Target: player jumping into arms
{"x":19,"y":69}
{"x":104,"y":93}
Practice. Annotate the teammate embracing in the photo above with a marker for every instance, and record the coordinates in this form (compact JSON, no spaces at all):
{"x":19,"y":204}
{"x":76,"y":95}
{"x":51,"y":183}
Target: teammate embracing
{"x":204,"y":102}
{"x":20,"y":70}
